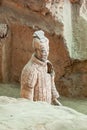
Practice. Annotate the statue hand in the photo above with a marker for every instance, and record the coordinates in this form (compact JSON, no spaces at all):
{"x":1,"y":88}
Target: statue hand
{"x":56,"y":102}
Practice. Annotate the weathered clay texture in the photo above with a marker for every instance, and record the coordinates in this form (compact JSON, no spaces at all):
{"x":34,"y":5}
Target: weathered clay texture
{"x":67,"y":35}
{"x":17,"y":114}
{"x":75,"y":31}
{"x":36,"y":83}
{"x":56,"y":9}
{"x":83,"y":10}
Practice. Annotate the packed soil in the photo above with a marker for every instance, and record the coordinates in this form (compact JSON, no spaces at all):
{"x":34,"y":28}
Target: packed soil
{"x":78,"y":104}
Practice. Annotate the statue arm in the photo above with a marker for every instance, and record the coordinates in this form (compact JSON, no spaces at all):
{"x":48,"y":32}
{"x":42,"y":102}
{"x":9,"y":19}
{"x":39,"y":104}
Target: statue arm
{"x":55,"y":94}
{"x":28,"y":81}
{"x":50,"y":70}
{"x":54,"y":91}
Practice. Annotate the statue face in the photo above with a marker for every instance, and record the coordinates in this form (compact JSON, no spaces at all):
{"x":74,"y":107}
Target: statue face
{"x":42,"y":53}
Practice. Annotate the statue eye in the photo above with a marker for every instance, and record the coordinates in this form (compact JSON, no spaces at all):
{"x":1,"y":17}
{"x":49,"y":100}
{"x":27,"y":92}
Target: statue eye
{"x":42,"y":50}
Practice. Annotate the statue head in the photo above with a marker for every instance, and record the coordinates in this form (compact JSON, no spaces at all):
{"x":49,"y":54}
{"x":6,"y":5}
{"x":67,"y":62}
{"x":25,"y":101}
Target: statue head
{"x":40,"y":45}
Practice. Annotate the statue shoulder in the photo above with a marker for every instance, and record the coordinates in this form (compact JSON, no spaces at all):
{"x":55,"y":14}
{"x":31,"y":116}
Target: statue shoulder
{"x":29,"y":69}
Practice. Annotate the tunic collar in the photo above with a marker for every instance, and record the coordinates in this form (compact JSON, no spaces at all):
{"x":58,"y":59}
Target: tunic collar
{"x":37,"y":61}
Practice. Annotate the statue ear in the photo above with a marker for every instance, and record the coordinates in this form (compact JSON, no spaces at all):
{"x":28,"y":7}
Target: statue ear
{"x":36,"y":43}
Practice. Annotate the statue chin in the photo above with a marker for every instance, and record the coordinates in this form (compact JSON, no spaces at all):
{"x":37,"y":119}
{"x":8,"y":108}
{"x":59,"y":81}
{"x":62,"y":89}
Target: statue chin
{"x":44,"y":59}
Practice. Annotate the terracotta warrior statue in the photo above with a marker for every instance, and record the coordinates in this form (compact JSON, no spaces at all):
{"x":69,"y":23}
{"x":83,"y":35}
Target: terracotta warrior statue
{"x":37,"y":78}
